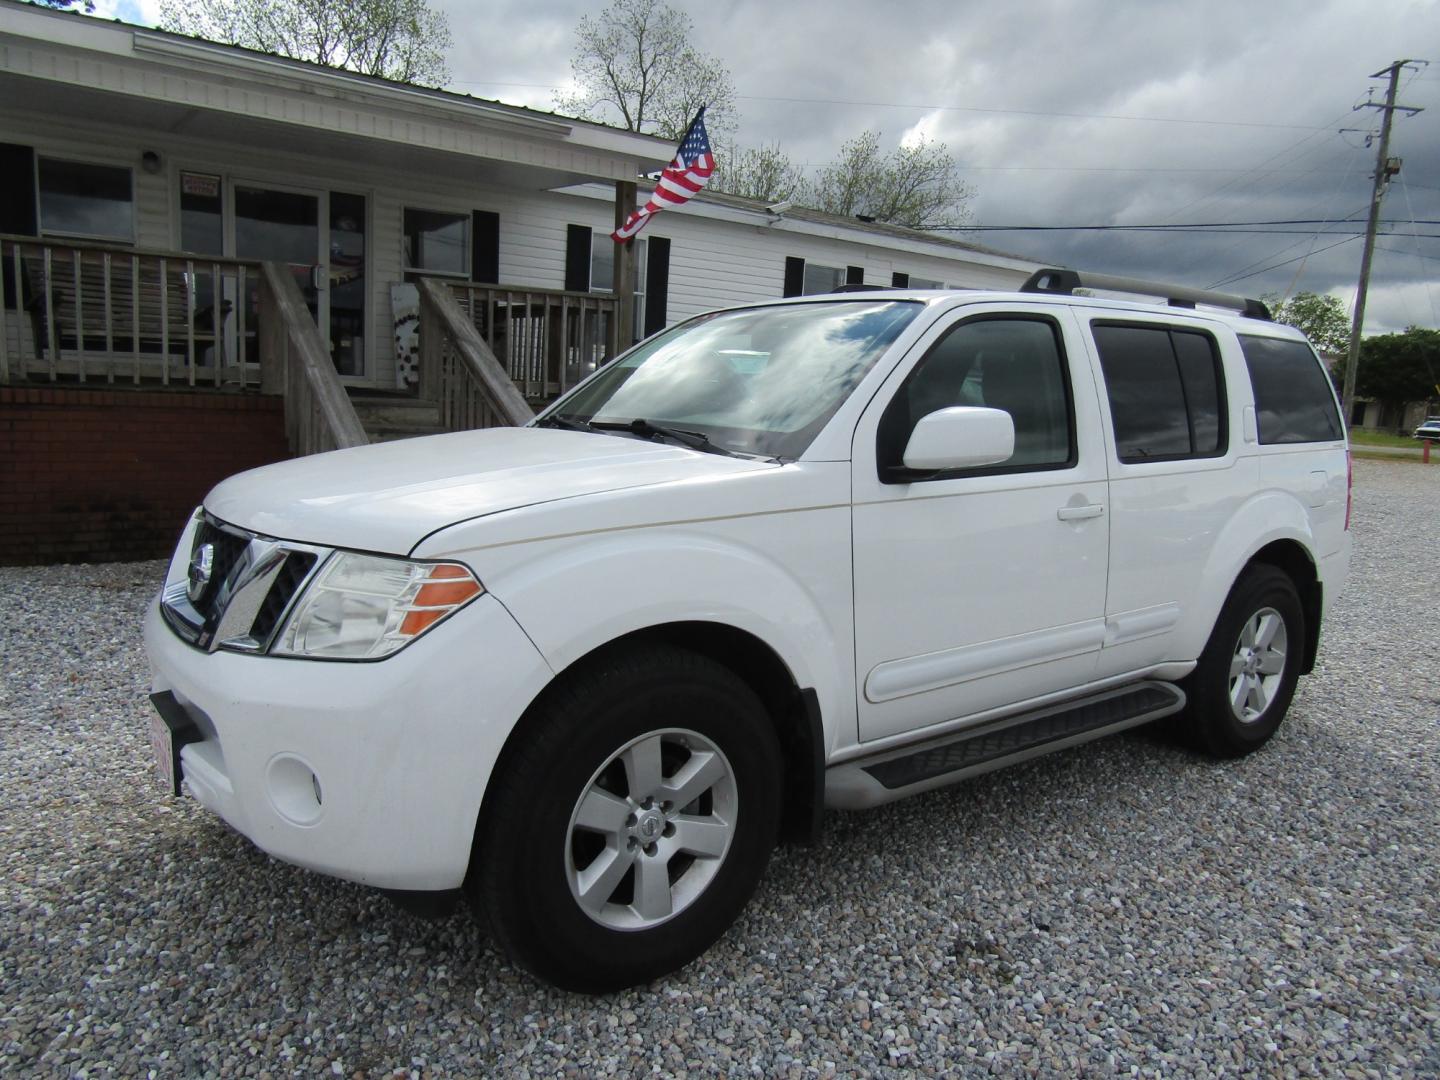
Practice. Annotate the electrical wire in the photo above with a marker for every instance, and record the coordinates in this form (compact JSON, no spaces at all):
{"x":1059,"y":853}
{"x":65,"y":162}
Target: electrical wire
{"x":1276,"y":266}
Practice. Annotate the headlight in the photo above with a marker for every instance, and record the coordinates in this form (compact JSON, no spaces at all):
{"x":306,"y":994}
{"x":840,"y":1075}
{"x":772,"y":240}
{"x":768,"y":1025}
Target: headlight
{"x":363,"y":607}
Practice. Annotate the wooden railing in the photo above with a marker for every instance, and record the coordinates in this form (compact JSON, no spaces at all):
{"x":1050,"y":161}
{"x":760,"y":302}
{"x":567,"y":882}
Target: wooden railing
{"x":545,"y":339}
{"x":92,"y":313}
{"x":318,"y":413}
{"x":87,"y":314}
{"x":460,"y":370}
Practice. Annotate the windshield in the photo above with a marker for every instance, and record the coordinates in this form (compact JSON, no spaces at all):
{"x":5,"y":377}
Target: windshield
{"x":757,"y":381}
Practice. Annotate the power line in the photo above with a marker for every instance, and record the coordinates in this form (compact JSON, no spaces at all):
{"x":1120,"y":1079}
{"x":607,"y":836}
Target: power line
{"x":1046,"y":113}
{"x":1276,"y":266}
{"x":1188,"y":226}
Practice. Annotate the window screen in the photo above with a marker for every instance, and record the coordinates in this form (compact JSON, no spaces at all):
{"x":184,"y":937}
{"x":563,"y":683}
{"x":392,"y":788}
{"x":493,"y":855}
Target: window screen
{"x":1012,"y":364}
{"x":1166,"y":400}
{"x":1293,"y":399}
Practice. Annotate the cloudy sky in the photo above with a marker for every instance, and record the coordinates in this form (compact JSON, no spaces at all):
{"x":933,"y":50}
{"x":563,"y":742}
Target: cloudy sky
{"x":1092,"y":112}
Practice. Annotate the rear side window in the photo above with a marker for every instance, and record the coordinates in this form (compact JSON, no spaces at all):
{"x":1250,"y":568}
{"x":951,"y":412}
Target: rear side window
{"x":1293,"y":399}
{"x":1167,"y":400}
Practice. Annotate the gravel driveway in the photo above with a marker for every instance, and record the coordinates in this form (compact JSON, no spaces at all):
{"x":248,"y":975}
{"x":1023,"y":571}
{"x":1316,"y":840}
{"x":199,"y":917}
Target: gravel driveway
{"x":1121,"y":907}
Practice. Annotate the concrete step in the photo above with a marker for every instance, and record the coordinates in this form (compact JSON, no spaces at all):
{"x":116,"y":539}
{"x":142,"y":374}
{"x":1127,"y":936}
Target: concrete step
{"x":387,"y":417}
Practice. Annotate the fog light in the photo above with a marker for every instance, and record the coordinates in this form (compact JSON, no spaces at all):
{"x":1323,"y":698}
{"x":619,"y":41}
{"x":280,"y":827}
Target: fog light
{"x":294,"y":789}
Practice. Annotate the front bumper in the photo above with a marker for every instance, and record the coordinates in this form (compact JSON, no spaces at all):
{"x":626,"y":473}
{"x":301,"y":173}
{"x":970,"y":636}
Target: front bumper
{"x":372,"y":772}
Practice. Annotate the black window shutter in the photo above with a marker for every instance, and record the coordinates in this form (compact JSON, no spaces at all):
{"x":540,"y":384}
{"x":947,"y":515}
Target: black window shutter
{"x":657,"y":285}
{"x":854,"y":275}
{"x":794,"y":276}
{"x":17,"y":190}
{"x":899,"y":280}
{"x":485,"y":246}
{"x":577,"y":258}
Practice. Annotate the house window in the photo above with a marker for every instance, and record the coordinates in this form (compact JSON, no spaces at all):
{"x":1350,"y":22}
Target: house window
{"x":202,"y":222}
{"x":80,"y":199}
{"x":925,"y":283}
{"x":602,"y":273}
{"x":437,"y":242}
{"x":822,"y":279}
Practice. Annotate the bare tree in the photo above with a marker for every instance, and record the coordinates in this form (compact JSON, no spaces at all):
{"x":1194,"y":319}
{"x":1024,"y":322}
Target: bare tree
{"x":635,"y":63}
{"x":404,"y":40}
{"x":763,"y":173}
{"x":917,"y":186}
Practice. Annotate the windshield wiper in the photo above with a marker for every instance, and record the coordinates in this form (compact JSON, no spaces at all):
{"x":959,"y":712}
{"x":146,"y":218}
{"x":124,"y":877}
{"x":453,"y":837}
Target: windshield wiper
{"x":561,"y":420}
{"x":696,"y":440}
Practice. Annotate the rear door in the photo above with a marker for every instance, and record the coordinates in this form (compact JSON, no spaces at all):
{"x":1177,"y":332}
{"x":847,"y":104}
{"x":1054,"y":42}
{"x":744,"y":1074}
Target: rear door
{"x":1176,"y":476}
{"x":980,"y":588}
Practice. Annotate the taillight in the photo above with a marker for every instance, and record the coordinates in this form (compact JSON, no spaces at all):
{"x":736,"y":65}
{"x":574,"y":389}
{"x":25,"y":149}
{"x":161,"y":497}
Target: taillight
{"x":1349,"y":485}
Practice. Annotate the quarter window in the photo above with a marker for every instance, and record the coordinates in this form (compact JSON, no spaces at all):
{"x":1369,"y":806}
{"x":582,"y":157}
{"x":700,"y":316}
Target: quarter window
{"x":1166,"y":398}
{"x":1014,"y":364}
{"x":1294,"y":402}
{"x":80,"y":199}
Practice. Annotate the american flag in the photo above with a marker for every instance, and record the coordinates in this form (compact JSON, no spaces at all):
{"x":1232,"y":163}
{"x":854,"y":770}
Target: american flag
{"x":682,"y":178}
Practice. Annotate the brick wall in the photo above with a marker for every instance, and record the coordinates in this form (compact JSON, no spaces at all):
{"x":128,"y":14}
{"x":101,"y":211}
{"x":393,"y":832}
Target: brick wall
{"x":103,"y":476}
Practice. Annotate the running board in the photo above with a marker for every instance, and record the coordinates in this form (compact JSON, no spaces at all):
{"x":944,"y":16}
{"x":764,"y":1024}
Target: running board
{"x":894,"y":774}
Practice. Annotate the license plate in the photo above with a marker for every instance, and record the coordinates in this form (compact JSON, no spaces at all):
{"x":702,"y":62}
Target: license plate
{"x":162,"y":745}
{"x":170,"y":729}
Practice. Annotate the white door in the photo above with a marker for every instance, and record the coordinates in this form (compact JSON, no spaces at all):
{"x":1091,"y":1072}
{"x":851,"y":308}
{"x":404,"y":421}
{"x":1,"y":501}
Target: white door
{"x":986,"y":587}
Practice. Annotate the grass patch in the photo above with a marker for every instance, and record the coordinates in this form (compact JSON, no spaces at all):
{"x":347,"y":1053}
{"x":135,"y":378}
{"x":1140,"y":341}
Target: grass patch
{"x":1383,"y":438}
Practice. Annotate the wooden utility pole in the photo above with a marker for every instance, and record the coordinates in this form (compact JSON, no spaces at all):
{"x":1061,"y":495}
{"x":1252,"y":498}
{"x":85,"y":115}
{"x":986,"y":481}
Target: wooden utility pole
{"x":1385,"y":168}
{"x":623,"y":327}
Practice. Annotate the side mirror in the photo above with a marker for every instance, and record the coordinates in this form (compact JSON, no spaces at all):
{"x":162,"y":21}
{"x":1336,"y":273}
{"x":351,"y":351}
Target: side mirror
{"x":962,"y":437}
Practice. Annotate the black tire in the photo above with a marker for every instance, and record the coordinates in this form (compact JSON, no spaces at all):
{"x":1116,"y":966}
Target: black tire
{"x":1214,"y":719}
{"x":529,"y":859}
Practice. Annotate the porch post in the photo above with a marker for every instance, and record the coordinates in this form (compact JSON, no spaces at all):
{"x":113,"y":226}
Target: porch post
{"x":624,"y":322}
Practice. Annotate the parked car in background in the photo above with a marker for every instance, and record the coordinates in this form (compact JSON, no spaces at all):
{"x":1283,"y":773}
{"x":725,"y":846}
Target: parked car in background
{"x":820,"y":552}
{"x":1430,"y":429}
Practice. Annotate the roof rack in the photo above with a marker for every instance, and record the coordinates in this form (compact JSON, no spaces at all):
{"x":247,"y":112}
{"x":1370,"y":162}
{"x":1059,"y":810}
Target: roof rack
{"x":1065,"y":282}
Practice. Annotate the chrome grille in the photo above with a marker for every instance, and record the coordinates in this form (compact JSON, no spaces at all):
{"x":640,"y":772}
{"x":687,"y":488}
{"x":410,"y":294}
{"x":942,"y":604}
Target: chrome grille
{"x":253,"y":580}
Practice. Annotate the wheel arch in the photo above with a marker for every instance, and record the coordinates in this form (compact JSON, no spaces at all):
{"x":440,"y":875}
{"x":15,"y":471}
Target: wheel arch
{"x":794,"y":711}
{"x":1293,"y":558}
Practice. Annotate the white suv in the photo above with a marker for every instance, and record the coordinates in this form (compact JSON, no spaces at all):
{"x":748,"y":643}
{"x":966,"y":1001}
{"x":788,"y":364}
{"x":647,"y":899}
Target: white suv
{"x":824,"y":552}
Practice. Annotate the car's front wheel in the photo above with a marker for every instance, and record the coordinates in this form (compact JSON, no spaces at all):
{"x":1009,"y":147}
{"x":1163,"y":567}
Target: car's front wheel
{"x":631,"y":820}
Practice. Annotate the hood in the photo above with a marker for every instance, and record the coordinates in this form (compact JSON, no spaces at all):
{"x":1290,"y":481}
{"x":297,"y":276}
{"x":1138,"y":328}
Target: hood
{"x":389,"y":496}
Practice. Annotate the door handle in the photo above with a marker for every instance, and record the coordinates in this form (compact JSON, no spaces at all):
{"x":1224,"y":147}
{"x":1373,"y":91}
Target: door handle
{"x":1080,"y":513}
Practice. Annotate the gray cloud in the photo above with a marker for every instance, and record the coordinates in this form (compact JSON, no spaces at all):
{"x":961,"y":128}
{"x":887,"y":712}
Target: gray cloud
{"x":1281,"y":77}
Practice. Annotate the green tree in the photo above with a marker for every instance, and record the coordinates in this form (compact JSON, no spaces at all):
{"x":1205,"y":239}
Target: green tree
{"x":1323,"y":319}
{"x":763,"y":173}
{"x":88,"y":6}
{"x":1397,"y":368}
{"x":918,"y":186}
{"x":403,"y":40}
{"x":634,"y":63}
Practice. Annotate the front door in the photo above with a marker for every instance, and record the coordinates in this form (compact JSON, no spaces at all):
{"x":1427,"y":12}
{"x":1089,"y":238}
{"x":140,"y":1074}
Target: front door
{"x":980,"y":588}
{"x":320,"y":236}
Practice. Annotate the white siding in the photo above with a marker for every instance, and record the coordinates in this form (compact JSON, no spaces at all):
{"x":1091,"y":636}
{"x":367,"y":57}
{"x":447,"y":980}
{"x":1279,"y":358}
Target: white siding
{"x":713,"y":263}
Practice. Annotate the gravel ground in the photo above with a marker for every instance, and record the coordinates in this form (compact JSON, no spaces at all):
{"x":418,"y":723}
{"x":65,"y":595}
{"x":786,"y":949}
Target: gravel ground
{"x":1122,"y":907}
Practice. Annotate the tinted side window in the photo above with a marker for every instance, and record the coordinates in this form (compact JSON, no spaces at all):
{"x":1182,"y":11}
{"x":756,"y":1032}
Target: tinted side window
{"x":1293,"y":399}
{"x":1166,"y":399}
{"x":1015,"y":364}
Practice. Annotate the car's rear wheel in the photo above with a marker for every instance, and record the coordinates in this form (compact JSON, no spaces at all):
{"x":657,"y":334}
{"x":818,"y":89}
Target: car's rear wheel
{"x":1242,"y":686}
{"x":630,"y":822}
